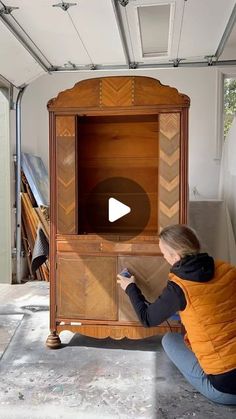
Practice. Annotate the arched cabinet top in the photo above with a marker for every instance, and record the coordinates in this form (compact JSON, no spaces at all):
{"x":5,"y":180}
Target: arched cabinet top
{"x":118,"y":92}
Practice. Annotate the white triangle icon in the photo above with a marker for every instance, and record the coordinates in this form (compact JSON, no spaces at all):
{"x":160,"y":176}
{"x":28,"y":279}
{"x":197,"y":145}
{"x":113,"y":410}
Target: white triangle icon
{"x":116,"y":209}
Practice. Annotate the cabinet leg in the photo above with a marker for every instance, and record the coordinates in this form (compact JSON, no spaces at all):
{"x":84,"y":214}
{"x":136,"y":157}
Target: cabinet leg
{"x":53,"y":341}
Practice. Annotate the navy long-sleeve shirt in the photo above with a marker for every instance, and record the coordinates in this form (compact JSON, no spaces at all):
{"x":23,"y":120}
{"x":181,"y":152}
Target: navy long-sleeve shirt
{"x":170,"y":301}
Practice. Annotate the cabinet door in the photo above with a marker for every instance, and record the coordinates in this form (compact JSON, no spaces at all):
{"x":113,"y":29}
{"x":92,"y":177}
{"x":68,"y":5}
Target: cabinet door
{"x":86,"y":287}
{"x":151,"y":275}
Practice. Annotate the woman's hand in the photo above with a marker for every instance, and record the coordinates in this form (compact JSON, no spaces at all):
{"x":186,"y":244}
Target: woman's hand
{"x":124,"y":282}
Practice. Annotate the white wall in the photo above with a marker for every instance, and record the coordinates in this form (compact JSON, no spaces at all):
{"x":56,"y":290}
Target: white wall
{"x":200,"y":84}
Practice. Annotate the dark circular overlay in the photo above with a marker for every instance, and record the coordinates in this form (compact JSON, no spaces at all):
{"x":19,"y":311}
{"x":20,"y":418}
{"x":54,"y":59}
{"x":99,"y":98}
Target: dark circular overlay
{"x":94,"y":215}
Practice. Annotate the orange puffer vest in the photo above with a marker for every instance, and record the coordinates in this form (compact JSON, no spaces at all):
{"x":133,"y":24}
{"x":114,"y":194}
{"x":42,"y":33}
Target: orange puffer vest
{"x":210,"y":318}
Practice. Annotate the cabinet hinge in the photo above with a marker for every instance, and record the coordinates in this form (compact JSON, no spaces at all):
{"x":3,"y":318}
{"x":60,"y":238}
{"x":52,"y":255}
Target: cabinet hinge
{"x":55,"y":308}
{"x":56,"y":265}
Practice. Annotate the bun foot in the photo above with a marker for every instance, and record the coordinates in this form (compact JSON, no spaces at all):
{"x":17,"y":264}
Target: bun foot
{"x":53,"y":341}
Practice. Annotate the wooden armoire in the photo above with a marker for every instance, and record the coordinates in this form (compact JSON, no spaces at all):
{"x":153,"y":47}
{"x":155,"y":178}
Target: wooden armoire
{"x":123,"y":127}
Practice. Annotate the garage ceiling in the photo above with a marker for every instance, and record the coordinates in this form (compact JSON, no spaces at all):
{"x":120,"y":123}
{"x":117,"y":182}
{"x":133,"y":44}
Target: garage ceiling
{"x":54,"y":35}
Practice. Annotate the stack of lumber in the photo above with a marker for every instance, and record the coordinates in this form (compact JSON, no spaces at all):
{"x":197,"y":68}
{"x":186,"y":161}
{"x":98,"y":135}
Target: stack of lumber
{"x":33,"y":218}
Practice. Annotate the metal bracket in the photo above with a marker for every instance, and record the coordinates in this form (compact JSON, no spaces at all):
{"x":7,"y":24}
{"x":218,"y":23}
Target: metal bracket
{"x":64,"y":6}
{"x":13,"y":253}
{"x":72,"y":64}
{"x":11,"y":99}
{"x":52,"y":68}
{"x":93,"y":67}
{"x":209,"y":59}
{"x":69,"y":65}
{"x":133,"y":65}
{"x":123,"y":3}
{"x":176,"y":62}
{"x":6,"y":10}
{"x":12,"y":105}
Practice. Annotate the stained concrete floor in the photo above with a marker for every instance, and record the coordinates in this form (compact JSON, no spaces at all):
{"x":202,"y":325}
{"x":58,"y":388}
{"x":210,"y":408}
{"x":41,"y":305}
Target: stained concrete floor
{"x":86,"y":378}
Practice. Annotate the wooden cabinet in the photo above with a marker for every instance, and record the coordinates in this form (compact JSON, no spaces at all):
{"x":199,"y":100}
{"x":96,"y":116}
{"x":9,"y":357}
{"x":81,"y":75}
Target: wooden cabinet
{"x":113,"y":127}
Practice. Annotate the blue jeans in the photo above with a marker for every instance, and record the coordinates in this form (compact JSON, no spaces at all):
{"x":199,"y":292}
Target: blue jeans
{"x":187,"y":363}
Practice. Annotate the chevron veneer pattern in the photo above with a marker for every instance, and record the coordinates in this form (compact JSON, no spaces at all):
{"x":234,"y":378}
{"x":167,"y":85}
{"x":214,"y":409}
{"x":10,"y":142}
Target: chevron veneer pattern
{"x":169,"y":169}
{"x":151,"y":275}
{"x":82,"y":285}
{"x":116,"y":92}
{"x":66,"y":193}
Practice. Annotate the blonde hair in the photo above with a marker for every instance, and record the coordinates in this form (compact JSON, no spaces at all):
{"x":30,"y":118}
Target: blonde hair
{"x":181,"y":238}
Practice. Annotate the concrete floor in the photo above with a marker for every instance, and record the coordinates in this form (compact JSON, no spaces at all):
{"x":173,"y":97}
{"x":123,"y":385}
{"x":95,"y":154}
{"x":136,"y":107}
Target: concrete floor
{"x":87,"y":378}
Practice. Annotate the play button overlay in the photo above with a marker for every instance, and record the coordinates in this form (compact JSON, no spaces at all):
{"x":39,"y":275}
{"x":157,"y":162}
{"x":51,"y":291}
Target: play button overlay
{"x":115,"y":206}
{"x":116,"y":210}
